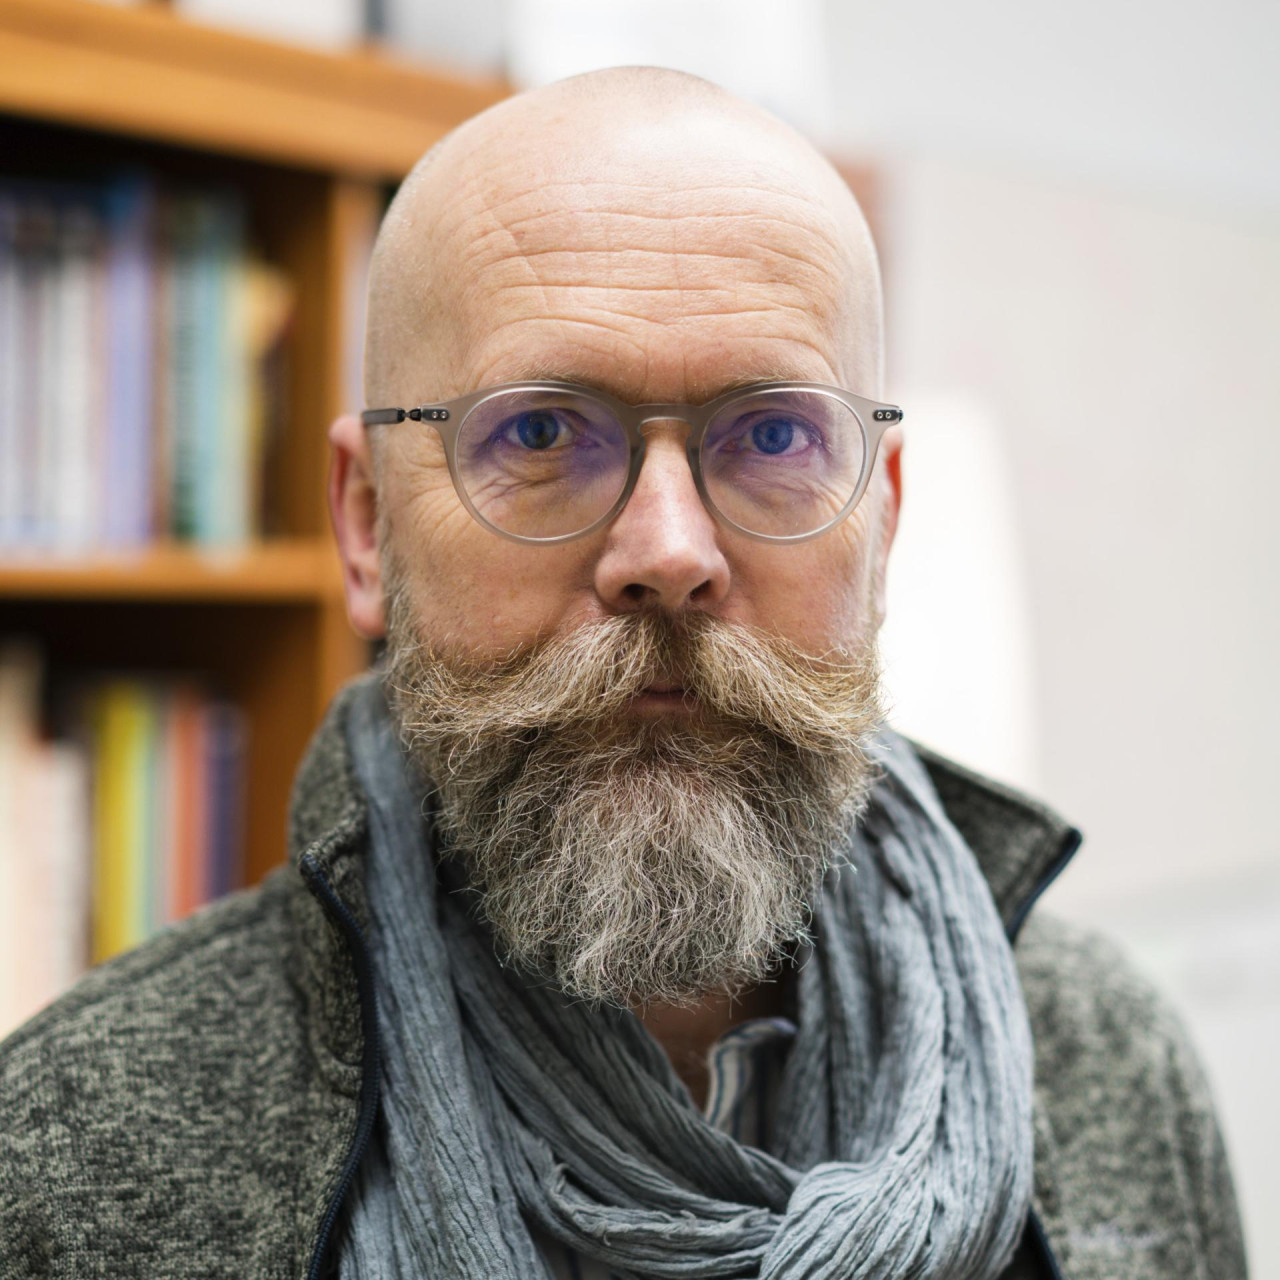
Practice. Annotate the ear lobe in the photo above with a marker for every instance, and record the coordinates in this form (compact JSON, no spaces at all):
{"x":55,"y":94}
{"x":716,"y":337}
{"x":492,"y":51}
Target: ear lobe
{"x":353,"y":511}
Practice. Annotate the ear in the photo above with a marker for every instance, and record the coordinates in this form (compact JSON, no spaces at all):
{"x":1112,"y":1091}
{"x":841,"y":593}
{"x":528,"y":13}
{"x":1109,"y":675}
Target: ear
{"x":353,"y":508}
{"x":890,"y":505}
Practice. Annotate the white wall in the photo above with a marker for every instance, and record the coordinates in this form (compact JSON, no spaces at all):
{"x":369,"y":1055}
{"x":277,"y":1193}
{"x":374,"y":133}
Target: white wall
{"x":1083,"y":242}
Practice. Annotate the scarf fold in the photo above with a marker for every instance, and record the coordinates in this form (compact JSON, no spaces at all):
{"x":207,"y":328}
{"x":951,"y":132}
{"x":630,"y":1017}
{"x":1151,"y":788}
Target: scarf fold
{"x":903,"y":1133}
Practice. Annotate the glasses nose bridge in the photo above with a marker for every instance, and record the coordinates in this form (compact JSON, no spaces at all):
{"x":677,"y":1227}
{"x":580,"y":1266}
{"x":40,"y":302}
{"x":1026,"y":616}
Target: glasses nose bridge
{"x":645,"y":414}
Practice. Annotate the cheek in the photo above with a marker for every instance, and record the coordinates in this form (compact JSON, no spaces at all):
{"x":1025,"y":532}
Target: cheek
{"x":818,"y":593}
{"x":468,"y":586}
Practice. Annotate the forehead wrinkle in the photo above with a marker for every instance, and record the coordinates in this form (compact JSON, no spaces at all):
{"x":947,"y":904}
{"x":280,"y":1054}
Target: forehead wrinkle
{"x":664,"y":205}
{"x":673,"y":281}
{"x":571,"y":216}
{"x":768,"y":371}
{"x":654,"y":193}
{"x":621,"y":368}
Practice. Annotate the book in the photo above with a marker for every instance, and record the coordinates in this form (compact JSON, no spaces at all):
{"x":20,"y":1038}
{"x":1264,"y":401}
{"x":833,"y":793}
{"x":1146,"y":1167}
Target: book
{"x":10,"y":356}
{"x":224,"y":761}
{"x":20,"y":675}
{"x":142,"y":366}
{"x":73,"y":378}
{"x":44,"y":843}
{"x":119,"y":726}
{"x":121,"y":821}
{"x":130,"y":327}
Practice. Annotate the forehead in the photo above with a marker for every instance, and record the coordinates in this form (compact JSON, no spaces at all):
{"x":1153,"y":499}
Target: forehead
{"x":642,"y":269}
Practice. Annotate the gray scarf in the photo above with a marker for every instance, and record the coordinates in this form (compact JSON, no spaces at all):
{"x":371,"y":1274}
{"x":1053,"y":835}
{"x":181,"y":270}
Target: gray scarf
{"x":904,"y":1143}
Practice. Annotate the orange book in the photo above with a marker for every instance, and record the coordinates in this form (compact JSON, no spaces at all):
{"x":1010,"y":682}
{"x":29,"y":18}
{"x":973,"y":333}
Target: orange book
{"x":185,"y":843}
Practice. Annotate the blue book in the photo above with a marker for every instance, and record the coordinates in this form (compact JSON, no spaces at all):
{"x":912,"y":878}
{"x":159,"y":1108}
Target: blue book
{"x":218,"y":407}
{"x":182,"y":354}
{"x":129,"y":205}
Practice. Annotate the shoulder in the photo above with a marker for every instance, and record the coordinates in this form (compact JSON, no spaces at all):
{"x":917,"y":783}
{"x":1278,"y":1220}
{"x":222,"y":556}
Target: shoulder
{"x":170,"y":985}
{"x":119,"y":1093}
{"x":1137,"y":1151}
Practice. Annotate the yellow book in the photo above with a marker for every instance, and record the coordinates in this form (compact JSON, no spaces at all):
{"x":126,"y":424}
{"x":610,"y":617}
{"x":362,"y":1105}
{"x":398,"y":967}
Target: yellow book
{"x":122,"y":718}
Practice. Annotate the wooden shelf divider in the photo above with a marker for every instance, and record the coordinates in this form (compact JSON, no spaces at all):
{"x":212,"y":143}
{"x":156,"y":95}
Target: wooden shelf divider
{"x":279,"y":571}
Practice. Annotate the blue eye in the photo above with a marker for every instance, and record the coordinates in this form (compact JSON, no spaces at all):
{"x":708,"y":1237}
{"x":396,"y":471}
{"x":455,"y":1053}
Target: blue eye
{"x":539,"y":429}
{"x":772,"y":435}
{"x":786,"y":436}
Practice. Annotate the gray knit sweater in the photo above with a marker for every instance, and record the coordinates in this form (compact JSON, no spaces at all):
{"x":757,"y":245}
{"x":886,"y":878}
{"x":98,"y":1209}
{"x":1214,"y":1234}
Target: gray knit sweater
{"x":198,"y":1107}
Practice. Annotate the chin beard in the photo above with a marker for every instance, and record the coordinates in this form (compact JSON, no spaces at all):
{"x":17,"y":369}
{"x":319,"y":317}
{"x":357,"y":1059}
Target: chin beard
{"x":628,"y":859}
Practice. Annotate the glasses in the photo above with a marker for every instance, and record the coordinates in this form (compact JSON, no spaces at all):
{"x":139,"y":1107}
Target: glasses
{"x":548,"y":462}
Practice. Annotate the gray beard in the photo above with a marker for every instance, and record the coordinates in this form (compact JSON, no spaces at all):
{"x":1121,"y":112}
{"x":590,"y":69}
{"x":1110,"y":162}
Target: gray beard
{"x":629,"y":860}
{"x":648,"y":870}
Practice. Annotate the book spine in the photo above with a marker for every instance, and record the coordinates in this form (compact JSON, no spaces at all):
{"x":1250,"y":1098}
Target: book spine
{"x":155,"y":800}
{"x":70,"y":842}
{"x":20,"y":676}
{"x":43,"y":401}
{"x":233,"y":524}
{"x":186,"y":847}
{"x":120,"y":768}
{"x":75,"y":464}
{"x":162,"y":356}
{"x":227,"y":742}
{"x":130,"y":342}
{"x":11,"y":371}
{"x":205,"y":409}
{"x":184,"y":338}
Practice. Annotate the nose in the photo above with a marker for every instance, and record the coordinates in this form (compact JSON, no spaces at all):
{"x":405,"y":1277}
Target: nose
{"x":663,"y":549}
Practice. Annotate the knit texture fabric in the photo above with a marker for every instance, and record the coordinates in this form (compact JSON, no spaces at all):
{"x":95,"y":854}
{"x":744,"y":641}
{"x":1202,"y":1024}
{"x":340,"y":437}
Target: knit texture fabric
{"x":903,"y":1136}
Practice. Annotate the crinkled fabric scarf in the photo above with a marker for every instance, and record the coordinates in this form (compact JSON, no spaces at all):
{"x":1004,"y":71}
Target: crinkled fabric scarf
{"x":904,"y":1128}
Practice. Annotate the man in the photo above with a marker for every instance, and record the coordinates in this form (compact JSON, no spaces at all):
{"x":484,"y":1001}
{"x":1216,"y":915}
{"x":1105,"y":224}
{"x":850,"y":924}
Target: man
{"x":619,"y":935}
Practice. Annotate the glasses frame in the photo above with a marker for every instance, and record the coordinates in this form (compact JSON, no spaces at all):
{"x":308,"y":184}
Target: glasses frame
{"x":449,"y":417}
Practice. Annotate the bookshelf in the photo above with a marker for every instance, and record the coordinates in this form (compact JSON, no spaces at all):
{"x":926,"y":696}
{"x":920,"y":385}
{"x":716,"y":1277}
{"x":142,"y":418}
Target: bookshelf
{"x":314,"y":143}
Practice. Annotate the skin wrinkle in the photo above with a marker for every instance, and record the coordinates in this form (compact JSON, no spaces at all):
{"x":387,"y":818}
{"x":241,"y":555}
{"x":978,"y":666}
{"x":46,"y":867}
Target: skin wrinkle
{"x":643,"y":231}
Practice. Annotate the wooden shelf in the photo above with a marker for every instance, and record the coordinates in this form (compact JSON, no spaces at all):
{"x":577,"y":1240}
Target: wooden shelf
{"x":146,"y":72}
{"x":311,"y":141}
{"x":277,"y":572}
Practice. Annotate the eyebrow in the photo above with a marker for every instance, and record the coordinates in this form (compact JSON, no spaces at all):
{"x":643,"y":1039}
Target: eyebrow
{"x":546,"y":371}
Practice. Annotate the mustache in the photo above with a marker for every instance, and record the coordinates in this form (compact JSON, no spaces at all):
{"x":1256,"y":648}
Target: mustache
{"x":734,"y":671}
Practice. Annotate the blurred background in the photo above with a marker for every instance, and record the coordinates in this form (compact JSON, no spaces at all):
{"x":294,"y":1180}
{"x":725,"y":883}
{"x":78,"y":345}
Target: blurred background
{"x":1078,"y":214}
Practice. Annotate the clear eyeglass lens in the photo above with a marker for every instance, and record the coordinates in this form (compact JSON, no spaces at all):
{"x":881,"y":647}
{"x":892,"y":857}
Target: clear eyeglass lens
{"x":549,"y":464}
{"x":783,"y":463}
{"x":542,"y":464}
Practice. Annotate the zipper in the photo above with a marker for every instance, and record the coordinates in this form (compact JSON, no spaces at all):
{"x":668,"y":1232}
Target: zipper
{"x":1038,"y":1234}
{"x":1066,"y":851}
{"x":370,"y":1066}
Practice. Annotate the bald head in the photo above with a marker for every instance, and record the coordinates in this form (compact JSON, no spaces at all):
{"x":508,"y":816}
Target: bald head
{"x":635,"y":225}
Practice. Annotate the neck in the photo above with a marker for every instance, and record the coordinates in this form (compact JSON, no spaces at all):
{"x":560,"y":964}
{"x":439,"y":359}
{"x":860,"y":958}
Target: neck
{"x":687,"y":1033}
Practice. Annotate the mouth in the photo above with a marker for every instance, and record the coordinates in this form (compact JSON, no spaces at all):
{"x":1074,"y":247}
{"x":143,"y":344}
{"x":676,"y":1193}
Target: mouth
{"x":663,"y":695}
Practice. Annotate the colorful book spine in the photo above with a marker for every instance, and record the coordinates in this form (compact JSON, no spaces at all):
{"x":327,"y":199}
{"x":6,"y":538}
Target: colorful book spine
{"x":130,"y":327}
{"x":225,"y":788}
{"x":10,"y":355}
{"x":188,"y":843}
{"x":119,"y":818}
{"x":129,"y":821}
{"x":74,"y":380}
{"x":141,"y":366}
{"x":44,"y":843}
{"x":42,"y":402}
